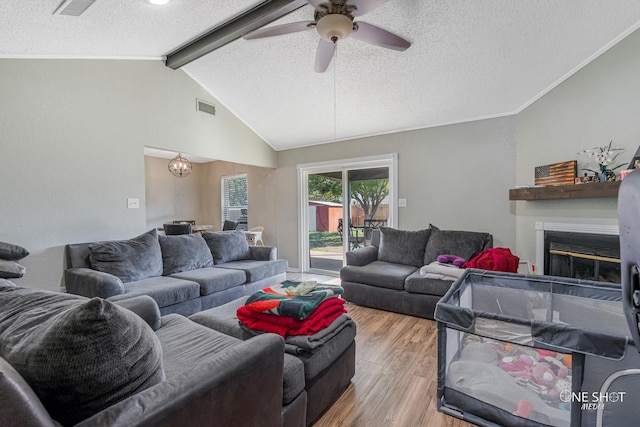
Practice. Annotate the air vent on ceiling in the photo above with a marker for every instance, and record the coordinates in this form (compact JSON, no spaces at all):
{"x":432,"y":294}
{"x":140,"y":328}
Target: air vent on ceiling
{"x":205,"y":108}
{"x":73,"y":7}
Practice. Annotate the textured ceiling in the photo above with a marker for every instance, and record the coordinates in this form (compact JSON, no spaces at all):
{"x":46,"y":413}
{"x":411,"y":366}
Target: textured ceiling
{"x":469,"y":59}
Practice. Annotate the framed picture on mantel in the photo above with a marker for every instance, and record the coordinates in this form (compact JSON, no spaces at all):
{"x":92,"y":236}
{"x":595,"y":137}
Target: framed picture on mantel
{"x":556,"y":173}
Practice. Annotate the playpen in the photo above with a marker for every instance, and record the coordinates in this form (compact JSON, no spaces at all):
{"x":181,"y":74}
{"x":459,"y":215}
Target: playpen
{"x":527,"y":350}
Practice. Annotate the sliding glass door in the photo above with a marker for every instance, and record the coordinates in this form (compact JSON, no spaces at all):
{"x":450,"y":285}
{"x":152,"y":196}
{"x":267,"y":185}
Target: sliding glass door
{"x":341,"y":204}
{"x":368,"y":192}
{"x":326,"y":211}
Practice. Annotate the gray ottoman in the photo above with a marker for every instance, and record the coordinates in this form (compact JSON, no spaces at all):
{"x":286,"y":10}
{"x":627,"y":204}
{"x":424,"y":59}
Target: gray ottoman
{"x":326,"y":358}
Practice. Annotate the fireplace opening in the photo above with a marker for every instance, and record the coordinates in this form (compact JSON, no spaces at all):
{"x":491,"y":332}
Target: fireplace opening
{"x":582,"y":256}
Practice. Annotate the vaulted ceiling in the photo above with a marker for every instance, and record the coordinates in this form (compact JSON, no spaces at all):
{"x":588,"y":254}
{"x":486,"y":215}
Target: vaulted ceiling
{"x":469,"y":59}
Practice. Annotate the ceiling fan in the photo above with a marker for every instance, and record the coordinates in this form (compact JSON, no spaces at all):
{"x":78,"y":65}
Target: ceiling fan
{"x":333,"y":19}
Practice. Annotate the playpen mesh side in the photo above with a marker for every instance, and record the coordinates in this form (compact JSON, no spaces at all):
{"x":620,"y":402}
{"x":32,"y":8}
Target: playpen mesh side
{"x":486,"y":377}
{"x":486,"y":317}
{"x":610,"y":391}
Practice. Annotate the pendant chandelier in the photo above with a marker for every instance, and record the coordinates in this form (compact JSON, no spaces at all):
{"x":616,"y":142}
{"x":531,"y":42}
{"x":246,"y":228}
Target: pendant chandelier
{"x":179,"y":166}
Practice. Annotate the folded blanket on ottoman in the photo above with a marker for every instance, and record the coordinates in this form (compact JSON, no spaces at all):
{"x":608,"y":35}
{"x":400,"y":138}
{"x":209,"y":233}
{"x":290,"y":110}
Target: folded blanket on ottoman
{"x":284,"y":326}
{"x":276,"y":300}
{"x":310,"y":343}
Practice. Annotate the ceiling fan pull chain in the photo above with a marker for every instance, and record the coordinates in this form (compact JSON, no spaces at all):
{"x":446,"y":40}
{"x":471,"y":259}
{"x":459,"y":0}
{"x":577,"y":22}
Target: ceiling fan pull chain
{"x":335,"y":103}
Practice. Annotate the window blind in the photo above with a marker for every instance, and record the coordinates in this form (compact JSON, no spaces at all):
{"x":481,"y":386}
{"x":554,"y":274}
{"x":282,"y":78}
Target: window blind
{"x":234,"y":196}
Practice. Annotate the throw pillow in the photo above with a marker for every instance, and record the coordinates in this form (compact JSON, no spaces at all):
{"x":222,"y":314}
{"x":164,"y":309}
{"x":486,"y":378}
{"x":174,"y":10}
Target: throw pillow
{"x":11,"y":270}
{"x":129,"y":260}
{"x":402,"y":246}
{"x":12,"y":252}
{"x":227,"y":246}
{"x":79,"y":356}
{"x":464,"y":244}
{"x":183,"y":253}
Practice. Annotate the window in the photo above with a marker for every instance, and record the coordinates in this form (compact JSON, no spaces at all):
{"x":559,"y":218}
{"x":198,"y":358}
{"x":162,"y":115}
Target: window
{"x":235,"y":198}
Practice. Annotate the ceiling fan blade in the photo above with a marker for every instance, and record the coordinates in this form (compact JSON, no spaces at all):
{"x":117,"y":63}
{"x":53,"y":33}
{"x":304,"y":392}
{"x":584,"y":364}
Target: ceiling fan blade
{"x":279,"y":30}
{"x":379,"y":37}
{"x":317,"y":3}
{"x":324,"y":55}
{"x":364,"y":6}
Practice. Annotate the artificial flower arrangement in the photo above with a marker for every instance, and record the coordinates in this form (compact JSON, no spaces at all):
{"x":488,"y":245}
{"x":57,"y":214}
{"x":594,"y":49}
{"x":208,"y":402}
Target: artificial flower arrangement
{"x":605,"y":156}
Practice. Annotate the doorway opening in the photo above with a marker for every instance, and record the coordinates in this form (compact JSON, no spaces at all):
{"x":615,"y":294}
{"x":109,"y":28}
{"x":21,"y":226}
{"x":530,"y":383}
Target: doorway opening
{"x":341,"y":204}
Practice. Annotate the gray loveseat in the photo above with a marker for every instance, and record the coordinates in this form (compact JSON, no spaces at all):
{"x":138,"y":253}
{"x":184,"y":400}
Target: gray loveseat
{"x":69,"y":360}
{"x":386,"y":274}
{"x":184,"y":274}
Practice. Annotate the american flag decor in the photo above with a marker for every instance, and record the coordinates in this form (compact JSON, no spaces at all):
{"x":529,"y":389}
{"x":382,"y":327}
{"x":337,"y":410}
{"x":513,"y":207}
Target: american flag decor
{"x":557,"y":173}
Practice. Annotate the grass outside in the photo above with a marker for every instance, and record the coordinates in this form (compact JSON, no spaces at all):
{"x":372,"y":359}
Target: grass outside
{"x":325,"y":241}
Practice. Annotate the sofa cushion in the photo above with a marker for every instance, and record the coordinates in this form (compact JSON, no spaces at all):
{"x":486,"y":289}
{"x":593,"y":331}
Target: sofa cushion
{"x":186,"y":343}
{"x":464,"y":244}
{"x":78,"y":355}
{"x":183,"y":253}
{"x":11,"y":270}
{"x":164,"y":290}
{"x":12,"y":252}
{"x":416,"y":284}
{"x":402,"y":246}
{"x":212,"y":280}
{"x":257,"y":270}
{"x":381,"y":274}
{"x":129,"y":260}
{"x":293,"y":378}
{"x":227,"y":246}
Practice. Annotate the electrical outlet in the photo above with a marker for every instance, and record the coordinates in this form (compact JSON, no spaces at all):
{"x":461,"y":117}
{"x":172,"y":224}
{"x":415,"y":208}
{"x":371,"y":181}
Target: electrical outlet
{"x":133,"y":203}
{"x":402,"y":203}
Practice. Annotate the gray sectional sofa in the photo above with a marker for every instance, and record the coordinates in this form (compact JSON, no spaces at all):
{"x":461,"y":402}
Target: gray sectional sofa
{"x":184,"y":274}
{"x":69,"y":360}
{"x":317,"y":368}
{"x":386,"y":274}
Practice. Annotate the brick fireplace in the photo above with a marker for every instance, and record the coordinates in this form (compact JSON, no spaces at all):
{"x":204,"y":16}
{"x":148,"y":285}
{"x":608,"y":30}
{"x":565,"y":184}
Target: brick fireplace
{"x":581,"y":251}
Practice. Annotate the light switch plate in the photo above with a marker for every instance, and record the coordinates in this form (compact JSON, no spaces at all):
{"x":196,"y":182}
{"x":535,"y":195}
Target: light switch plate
{"x":402,"y":203}
{"x":133,"y":203}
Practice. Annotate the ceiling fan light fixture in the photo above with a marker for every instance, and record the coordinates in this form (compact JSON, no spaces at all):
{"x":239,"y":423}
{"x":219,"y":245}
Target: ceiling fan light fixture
{"x":334,"y":27}
{"x":159,"y":2}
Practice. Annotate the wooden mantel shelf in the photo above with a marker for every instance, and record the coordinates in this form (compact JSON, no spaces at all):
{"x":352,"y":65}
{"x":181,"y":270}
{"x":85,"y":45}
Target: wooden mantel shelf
{"x":571,"y":191}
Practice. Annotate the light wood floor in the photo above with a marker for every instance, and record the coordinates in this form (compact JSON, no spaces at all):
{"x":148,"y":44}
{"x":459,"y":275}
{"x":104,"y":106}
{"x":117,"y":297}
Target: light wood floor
{"x":396,"y":372}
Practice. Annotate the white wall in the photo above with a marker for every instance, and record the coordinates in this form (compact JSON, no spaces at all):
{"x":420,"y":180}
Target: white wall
{"x":455,"y":177}
{"x":198,"y":196}
{"x":72,"y":134}
{"x":262,"y":191}
{"x":598,"y":104}
{"x":170,"y":198}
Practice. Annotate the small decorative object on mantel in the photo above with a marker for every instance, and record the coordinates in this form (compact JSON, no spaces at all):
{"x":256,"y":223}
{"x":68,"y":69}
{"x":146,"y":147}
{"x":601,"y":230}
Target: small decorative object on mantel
{"x":633,"y":164}
{"x":556,"y":174}
{"x":604,"y":156}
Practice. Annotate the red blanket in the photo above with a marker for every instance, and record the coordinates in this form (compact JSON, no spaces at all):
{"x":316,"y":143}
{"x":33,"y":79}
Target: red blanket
{"x":284,"y":326}
{"x":495,"y":259}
